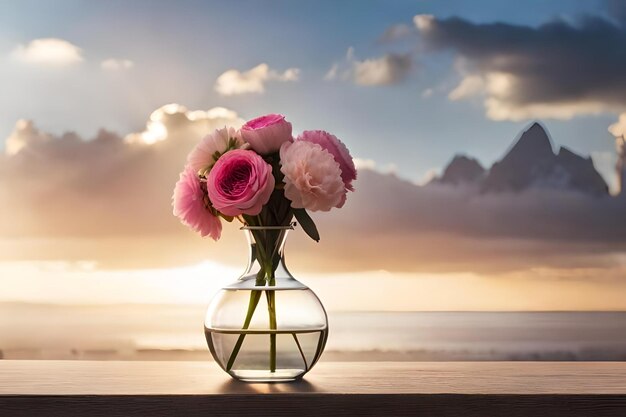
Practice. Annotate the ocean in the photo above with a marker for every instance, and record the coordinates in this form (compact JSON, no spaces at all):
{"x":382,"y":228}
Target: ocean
{"x":175,"y":332}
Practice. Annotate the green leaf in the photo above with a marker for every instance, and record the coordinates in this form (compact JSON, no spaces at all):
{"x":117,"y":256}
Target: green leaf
{"x":229,"y":219}
{"x":250,"y":221}
{"x":307,"y":223}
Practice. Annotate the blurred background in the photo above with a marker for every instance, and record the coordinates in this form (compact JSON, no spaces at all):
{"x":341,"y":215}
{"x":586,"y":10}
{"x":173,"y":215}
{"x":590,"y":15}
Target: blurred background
{"x":488,"y":221}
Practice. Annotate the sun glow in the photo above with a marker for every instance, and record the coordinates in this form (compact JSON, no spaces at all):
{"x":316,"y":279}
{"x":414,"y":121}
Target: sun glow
{"x":155,"y":128}
{"x":169,"y":119}
{"x":82,"y":283}
{"x":63,"y":282}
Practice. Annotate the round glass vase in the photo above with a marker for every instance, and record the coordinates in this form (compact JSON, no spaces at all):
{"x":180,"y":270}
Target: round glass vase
{"x":266,"y":326}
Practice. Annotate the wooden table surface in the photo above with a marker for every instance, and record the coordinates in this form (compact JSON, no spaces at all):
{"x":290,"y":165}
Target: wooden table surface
{"x":364,"y":389}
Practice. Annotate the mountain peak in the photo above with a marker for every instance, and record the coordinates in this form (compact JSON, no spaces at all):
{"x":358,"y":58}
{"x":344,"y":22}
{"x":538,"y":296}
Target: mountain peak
{"x":581,"y":173}
{"x":527,"y":162}
{"x":533,"y":142}
{"x":462,"y":169}
{"x":530,"y":163}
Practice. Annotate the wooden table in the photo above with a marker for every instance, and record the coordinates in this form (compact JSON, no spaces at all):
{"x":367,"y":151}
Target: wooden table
{"x":485,"y":389}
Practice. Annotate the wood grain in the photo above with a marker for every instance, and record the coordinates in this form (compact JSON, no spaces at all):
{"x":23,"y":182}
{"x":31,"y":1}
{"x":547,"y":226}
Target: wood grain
{"x":364,"y":389}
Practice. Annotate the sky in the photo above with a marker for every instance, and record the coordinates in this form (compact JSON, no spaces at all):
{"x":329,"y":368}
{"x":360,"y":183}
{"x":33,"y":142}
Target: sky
{"x":102,"y":99}
{"x":177,"y":50}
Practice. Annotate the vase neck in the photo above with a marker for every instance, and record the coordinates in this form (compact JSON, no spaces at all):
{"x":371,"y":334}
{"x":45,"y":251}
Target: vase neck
{"x":266,"y":254}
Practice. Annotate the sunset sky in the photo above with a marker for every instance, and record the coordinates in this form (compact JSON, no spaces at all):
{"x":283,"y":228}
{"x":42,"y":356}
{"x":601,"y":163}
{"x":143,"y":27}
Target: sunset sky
{"x":101,"y":102}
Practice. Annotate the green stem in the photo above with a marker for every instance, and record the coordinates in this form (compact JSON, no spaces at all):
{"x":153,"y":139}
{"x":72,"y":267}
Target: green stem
{"x":267,"y":255}
{"x":306,"y":365}
{"x":271,"y":309}
{"x":271,"y":244}
{"x":255,"y":296}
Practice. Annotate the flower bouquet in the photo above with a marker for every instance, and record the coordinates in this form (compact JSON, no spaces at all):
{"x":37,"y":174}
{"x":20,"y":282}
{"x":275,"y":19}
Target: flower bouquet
{"x":264,"y":178}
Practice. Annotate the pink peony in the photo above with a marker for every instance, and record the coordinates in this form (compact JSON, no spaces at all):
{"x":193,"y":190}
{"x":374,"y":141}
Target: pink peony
{"x":213,"y":145}
{"x":192,"y":207}
{"x":266,"y":134}
{"x":240,"y":182}
{"x":337,"y":149}
{"x":312,"y":176}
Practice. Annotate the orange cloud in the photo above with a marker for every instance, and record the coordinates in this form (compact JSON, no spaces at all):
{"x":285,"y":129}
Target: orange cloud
{"x":107,"y":199}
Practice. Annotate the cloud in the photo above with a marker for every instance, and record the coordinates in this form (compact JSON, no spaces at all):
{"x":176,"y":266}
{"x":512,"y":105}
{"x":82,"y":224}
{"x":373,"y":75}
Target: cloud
{"x":101,"y":187}
{"x":605,"y":163}
{"x":371,"y":165}
{"x":556,"y":70}
{"x":107,"y":199}
{"x":388,"y":69}
{"x":439,"y":228}
{"x":174,"y":120}
{"x":397,"y":32}
{"x":616,"y":9}
{"x":332,"y":73}
{"x":48,"y":51}
{"x":470,"y":86}
{"x":113,"y":64}
{"x":428,"y":176}
{"x":618,"y":128}
{"x":233,"y":82}
{"x":24,"y":134}
{"x":424,"y":22}
{"x":360,"y":164}
{"x":427,"y":93}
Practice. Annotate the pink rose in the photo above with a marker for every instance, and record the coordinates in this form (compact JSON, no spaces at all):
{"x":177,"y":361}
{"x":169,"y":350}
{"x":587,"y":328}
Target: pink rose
{"x":191,"y":205}
{"x":240,"y":182}
{"x":204,"y":155}
{"x":337,"y":149}
{"x":312,"y":176}
{"x":266,"y":134}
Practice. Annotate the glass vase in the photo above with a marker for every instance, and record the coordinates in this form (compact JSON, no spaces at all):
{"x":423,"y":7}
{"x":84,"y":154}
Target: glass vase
{"x":267,"y":326}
